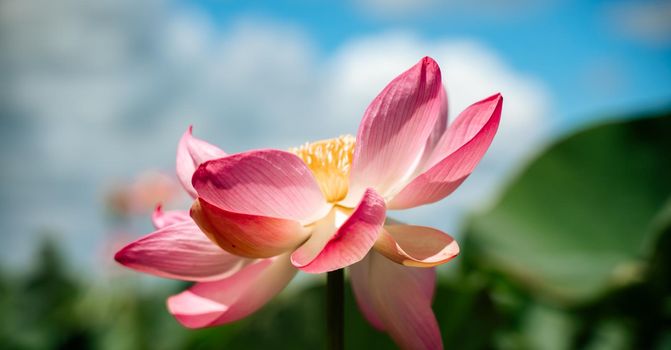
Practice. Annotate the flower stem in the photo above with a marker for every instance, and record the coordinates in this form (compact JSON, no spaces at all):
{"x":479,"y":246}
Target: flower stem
{"x":335,"y":310}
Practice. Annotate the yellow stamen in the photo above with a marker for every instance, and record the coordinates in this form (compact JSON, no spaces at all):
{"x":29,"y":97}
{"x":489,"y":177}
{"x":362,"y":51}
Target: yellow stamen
{"x":330,"y":161}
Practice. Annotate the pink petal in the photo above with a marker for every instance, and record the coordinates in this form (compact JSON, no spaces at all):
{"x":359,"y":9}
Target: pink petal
{"x":161,"y":218}
{"x":416,"y":245}
{"x":330,"y":249}
{"x":214,"y":303}
{"x":395,"y":129}
{"x":397,"y":299}
{"x":179,"y":251}
{"x":455,"y":156}
{"x":191,"y":152}
{"x":265,"y":182}
{"x":245,"y":235}
{"x":360,"y":277}
{"x":438,"y":129}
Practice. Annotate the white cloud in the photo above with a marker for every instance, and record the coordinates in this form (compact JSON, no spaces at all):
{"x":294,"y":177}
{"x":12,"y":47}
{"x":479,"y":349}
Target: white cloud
{"x":471,"y":72}
{"x":409,"y":9}
{"x":645,"y":21}
{"x":395,"y":8}
{"x":98,"y":102}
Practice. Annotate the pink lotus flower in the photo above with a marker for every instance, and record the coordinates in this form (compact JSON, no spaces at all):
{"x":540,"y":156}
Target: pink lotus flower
{"x":141,"y":195}
{"x":260,"y":216}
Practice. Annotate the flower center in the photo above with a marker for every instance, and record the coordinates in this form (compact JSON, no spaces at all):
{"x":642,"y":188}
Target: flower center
{"x":330,"y":161}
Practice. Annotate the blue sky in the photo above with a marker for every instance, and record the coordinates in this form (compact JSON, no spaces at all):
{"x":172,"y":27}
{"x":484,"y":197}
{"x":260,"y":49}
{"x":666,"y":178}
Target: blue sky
{"x":95,"y":93}
{"x":581,"y":49}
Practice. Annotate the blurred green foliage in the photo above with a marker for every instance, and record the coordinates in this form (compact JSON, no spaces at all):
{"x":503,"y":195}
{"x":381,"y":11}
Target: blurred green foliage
{"x":581,"y":236}
{"x":576,"y":254}
{"x":579,"y":219}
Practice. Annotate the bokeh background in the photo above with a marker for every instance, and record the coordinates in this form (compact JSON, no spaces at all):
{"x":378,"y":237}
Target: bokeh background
{"x":564,"y":226}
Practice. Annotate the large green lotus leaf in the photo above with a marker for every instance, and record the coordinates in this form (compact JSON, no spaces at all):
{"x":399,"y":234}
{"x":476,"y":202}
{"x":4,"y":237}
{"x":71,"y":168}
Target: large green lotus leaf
{"x":578,"y":220}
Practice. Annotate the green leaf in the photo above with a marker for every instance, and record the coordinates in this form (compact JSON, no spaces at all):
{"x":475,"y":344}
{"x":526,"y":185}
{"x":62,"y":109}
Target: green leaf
{"x":579,"y":219}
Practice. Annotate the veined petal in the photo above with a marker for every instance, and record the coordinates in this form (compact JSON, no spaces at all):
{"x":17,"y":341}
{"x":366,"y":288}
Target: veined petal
{"x":360,"y":277}
{"x":439,"y":129}
{"x":397,"y":299}
{"x":268,"y":182}
{"x":395,"y":129}
{"x":467,"y":126}
{"x":191,"y":152}
{"x":456,"y":155}
{"x":330,"y":248}
{"x":417,"y":246}
{"x":180,"y":251}
{"x":251,"y":236}
{"x":214,"y":303}
{"x":161,"y":218}
{"x":436,"y":135}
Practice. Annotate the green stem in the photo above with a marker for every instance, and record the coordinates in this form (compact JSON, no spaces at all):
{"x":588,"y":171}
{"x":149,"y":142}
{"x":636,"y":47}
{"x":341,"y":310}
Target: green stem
{"x":335,"y":310}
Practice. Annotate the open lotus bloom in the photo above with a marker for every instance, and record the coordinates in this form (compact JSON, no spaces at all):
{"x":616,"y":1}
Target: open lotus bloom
{"x":262,"y":215}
